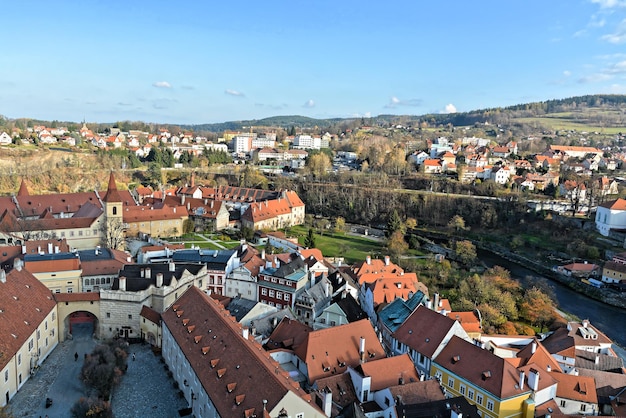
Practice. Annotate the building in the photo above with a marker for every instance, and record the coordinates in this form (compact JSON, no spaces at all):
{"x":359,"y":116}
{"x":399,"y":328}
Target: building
{"x":28,"y":325}
{"x":278,"y":286}
{"x":59,"y":272}
{"x":220,"y":371}
{"x":156,"y":286}
{"x":488,"y":381}
{"x":611,"y":215}
{"x":219,"y":264}
{"x":100,"y":267}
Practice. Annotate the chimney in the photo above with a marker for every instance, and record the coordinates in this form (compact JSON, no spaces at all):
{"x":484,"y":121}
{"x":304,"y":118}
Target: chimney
{"x":521,"y":380}
{"x":533,"y":347}
{"x":263,"y":254}
{"x":436,"y":301}
{"x":548,"y":368}
{"x":3,"y":276}
{"x":148,"y":272}
{"x":211,"y":205}
{"x":50,"y":248}
{"x":585,"y":323}
{"x":188,"y":206}
{"x":368,"y":260}
{"x":56,"y":249}
{"x":326,"y":288}
{"x":327,"y":401}
{"x":362,"y":349}
{"x":387,"y":260}
{"x":533,"y":379}
{"x":172,"y":266}
{"x":23,"y":249}
{"x":182,"y":200}
{"x":159,"y":280}
{"x":597,"y":360}
{"x":142,"y":273}
{"x":245,"y":332}
{"x":122,"y":283}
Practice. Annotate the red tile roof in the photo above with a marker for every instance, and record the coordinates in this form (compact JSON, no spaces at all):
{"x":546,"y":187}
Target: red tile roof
{"x":330,"y":351}
{"x":577,"y":388}
{"x":424,"y":330}
{"x":618,"y":204}
{"x":77,"y":297}
{"x":222,"y":357}
{"x":390,"y":371}
{"x":150,"y":314}
{"x":112,"y":195}
{"x":24,"y":303}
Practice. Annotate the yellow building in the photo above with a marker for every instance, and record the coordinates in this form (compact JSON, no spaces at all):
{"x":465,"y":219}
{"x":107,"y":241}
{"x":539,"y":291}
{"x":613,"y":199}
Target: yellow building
{"x":491,"y":383}
{"x":60,"y":272}
{"x":28,"y":329}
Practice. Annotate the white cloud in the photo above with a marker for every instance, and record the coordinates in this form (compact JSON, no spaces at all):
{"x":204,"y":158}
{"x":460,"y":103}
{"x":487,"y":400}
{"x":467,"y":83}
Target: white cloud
{"x":617,"y":37}
{"x":594,"y":78}
{"x":234,"y":93}
{"x":609,"y":4}
{"x":309,"y":104}
{"x":449,"y":108}
{"x":567,"y":73}
{"x":162,"y":85}
{"x":395,"y":102}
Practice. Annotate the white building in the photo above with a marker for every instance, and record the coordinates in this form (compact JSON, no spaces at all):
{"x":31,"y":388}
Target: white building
{"x":611,"y":215}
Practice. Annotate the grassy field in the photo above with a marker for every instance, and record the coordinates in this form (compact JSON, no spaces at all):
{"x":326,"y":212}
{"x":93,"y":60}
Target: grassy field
{"x":564,"y":122}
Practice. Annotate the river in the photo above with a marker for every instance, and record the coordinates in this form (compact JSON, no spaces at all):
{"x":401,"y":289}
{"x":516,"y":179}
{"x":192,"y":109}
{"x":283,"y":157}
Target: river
{"x":608,"y":319}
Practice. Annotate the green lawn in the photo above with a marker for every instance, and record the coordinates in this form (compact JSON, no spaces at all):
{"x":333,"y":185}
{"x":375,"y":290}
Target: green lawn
{"x":565,"y":123}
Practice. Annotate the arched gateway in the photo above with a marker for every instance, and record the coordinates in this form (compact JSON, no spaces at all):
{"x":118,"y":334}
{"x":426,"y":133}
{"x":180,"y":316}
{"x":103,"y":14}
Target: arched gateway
{"x":78,"y":312}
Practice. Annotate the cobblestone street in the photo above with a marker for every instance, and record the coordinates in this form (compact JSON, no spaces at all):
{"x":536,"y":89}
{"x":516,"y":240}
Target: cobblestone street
{"x":145,"y":390}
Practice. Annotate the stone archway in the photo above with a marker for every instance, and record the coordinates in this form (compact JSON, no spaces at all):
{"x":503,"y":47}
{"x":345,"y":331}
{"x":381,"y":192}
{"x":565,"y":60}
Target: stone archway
{"x":81,"y":322}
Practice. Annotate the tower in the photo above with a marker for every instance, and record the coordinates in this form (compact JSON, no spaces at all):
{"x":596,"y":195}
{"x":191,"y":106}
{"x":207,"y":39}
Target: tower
{"x":113,"y":226}
{"x":112,"y":201}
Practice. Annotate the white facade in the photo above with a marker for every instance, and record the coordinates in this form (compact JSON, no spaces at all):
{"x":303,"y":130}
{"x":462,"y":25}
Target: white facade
{"x":609,"y":218}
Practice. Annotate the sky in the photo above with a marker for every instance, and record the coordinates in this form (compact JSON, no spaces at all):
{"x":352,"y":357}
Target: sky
{"x":197,"y":61}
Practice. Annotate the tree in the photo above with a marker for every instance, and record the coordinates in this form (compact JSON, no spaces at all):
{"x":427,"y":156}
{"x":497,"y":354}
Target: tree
{"x":112,"y":233}
{"x":91,"y":408}
{"x":5,"y":413}
{"x":309,"y":240}
{"x":465,"y":252}
{"x":410,"y":223}
{"x":340,"y":224}
{"x":537,"y":307}
{"x":188,"y":226}
{"x":318,"y":164}
{"x":394,"y":224}
{"x":396,"y":244}
{"x":457,"y":223}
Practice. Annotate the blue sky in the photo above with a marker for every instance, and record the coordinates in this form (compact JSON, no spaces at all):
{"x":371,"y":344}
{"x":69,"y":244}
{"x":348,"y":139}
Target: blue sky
{"x":205,"y":61}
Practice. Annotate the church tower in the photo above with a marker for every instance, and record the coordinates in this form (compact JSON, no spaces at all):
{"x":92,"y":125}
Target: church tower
{"x":112,"y":201}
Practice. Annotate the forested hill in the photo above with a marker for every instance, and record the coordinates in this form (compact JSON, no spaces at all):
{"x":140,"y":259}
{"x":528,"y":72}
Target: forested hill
{"x":275,"y":121}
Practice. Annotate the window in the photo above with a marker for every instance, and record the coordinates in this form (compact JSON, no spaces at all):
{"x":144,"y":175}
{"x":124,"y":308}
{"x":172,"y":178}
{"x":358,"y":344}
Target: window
{"x":70,"y":290}
{"x":6,"y":375}
{"x":80,"y":233}
{"x":271,"y":293}
{"x":19,"y":359}
{"x":54,"y":316}
{"x":583,"y":407}
{"x":264,"y":291}
{"x":108,"y":314}
{"x":46,"y":325}
{"x":450,"y":382}
{"x":470,"y":394}
{"x":279,"y":295}
{"x":38,"y":335}
{"x":286,"y":296}
{"x":130,"y":316}
{"x":279,"y":306}
{"x":30,"y":344}
{"x":562,"y":403}
{"x":490,"y":405}
{"x":199,"y":283}
{"x":114,"y":210}
{"x":300,"y":415}
{"x":462,"y":390}
{"x":479,"y":399}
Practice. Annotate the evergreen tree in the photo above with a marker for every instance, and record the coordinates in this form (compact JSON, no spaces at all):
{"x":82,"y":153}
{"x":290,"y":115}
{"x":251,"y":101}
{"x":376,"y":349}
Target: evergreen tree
{"x":309,"y":241}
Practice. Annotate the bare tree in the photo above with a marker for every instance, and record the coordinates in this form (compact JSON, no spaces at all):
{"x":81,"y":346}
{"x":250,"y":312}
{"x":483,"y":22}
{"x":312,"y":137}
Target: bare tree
{"x":112,"y":233}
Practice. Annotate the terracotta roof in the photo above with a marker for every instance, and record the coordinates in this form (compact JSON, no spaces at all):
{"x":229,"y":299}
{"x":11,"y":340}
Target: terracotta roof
{"x":615,"y":266}
{"x":147,"y":214}
{"x":329,"y":351}
{"x":24,"y":303}
{"x":237,"y":373}
{"x":390,"y":371}
{"x":468,"y":320}
{"x":577,"y":388}
{"x":288,"y":334}
{"x":566,"y":148}
{"x":536,"y":354}
{"x":618,"y":204}
{"x":424,"y":330}
{"x":387,"y":289}
{"x":76,"y":297}
{"x":584,"y":267}
{"x":51,"y":262}
{"x":481,"y":368}
{"x":560,"y":342}
{"x":106,"y":261}
{"x":150,"y":314}
{"x":418,"y":392}
{"x":341,"y":387}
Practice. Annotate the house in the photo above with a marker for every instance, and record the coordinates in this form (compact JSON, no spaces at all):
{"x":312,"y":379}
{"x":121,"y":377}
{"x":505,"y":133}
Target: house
{"x":59,"y":272}
{"x":575,"y":394}
{"x":278,"y":286}
{"x":242,"y":280}
{"x":575,"y":151}
{"x":219,"y":264}
{"x":614,"y":272}
{"x":432,"y":166}
{"x":247,"y":312}
{"x":470,"y":322}
{"x":491,"y":383}
{"x":611,"y":215}
{"x":29,"y":329}
{"x":343,"y":311}
{"x":100,"y":266}
{"x":312,"y":300}
{"x":330,"y":351}
{"x":5,"y":138}
{"x":391,"y":316}
{"x":424,"y":335}
{"x":373,"y":376}
{"x":584,"y":269}
{"x":500,"y":174}
{"x":220,"y":370}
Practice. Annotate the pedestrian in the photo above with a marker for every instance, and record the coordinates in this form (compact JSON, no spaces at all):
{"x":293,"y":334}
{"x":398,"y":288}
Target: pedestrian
{"x":76,"y":356}
{"x":133,"y":356}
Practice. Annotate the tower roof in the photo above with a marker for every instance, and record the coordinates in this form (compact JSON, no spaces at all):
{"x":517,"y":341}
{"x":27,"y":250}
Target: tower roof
{"x":23,"y":189}
{"x":112,"y":194}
